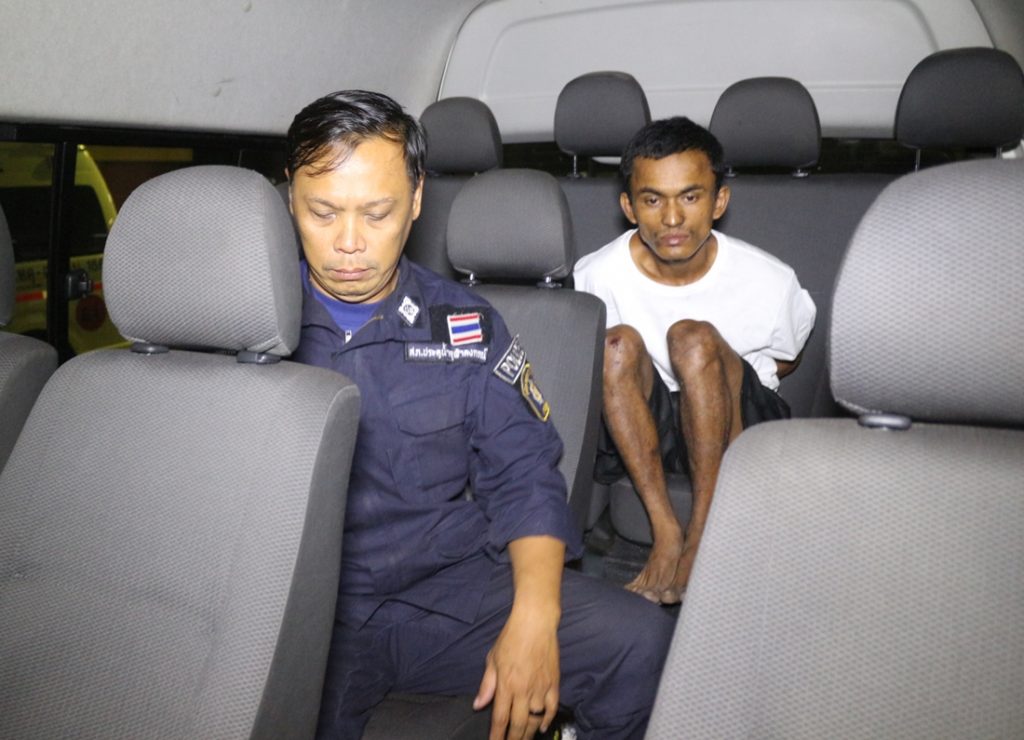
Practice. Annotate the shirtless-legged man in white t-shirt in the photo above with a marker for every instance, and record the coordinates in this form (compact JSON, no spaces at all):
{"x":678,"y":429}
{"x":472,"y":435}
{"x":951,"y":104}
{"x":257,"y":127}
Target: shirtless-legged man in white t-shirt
{"x":700,"y":329}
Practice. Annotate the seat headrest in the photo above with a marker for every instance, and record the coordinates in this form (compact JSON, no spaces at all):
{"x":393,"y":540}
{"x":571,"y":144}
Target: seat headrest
{"x":597,"y":114}
{"x":962,"y":97}
{"x":511,"y":225}
{"x":767,"y":122}
{"x":205,"y":257}
{"x":7,"y":275}
{"x":462,"y":137}
{"x":927,"y":320}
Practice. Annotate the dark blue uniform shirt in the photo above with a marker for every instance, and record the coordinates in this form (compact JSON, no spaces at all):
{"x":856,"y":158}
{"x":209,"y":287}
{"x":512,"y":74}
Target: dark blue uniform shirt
{"x":448,"y":407}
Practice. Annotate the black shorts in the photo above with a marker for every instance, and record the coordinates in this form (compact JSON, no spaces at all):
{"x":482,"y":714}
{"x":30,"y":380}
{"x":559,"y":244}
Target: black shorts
{"x":757,"y":404}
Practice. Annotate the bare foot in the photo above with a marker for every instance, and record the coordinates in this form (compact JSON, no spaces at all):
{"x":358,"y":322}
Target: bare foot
{"x":684,"y":566}
{"x":657,"y":581}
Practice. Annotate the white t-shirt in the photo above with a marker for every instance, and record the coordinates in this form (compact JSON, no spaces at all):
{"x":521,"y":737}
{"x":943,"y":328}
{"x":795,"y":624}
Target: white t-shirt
{"x":751,"y":298}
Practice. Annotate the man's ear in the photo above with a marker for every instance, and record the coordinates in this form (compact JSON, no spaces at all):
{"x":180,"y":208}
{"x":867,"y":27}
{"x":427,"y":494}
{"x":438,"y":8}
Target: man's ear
{"x":627,"y":207}
{"x":417,"y":199}
{"x":721,"y":201}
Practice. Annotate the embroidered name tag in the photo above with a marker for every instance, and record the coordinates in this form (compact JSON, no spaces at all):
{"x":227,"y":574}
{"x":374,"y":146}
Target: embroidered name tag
{"x":422,"y":352}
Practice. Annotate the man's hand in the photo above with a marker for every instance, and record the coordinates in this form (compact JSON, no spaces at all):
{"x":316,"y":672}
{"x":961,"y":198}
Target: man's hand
{"x":522,"y":670}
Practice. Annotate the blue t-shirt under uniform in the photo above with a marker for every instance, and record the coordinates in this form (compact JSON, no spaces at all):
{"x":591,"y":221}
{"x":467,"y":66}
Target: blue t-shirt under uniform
{"x":349,"y":317}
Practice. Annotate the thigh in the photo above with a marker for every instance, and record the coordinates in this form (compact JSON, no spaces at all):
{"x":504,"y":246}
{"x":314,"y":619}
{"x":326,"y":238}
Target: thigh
{"x":435,"y":654}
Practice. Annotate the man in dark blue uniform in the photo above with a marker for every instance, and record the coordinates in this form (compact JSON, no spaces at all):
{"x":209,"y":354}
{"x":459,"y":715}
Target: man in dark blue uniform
{"x":457,"y":526}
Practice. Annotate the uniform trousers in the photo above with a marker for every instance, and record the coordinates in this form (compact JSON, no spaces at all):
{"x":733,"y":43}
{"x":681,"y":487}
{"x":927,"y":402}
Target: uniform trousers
{"x":612,"y":644}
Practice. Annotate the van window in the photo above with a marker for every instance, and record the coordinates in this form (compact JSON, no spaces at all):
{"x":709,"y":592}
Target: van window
{"x":105,"y":175}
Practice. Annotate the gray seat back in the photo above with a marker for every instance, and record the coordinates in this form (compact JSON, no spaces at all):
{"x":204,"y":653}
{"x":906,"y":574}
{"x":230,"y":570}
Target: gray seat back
{"x":861,"y":578}
{"x":25,"y":363}
{"x":596,"y":115}
{"x":513,"y":226}
{"x":462,"y":140}
{"x":170,"y":520}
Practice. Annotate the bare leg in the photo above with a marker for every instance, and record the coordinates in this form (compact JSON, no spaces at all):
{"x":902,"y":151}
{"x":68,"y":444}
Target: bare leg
{"x":710,"y":377}
{"x":628,"y":381}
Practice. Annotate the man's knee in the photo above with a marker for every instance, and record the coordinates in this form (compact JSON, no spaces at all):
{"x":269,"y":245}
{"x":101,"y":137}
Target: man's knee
{"x":694,"y":345}
{"x":623,"y":350}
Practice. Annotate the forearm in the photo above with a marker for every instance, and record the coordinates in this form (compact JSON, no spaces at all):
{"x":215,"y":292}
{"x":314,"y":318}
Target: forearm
{"x":537,"y":564}
{"x":785,"y":367}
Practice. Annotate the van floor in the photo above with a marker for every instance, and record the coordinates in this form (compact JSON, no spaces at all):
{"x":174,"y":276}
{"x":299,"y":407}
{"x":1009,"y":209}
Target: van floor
{"x":611,"y":557}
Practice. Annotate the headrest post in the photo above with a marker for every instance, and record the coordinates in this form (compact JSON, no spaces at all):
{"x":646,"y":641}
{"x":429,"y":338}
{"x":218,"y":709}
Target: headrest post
{"x":256,"y":358}
{"x":145,"y":348}
{"x":471,"y":280}
{"x":549,"y":282}
{"x":917,"y":160}
{"x":892,"y":422}
{"x":801,"y":172}
{"x":575,"y":173}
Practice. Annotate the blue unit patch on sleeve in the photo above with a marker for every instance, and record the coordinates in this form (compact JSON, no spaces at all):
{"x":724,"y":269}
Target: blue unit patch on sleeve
{"x":531,"y":393}
{"x":511,"y":364}
{"x":429,"y":352}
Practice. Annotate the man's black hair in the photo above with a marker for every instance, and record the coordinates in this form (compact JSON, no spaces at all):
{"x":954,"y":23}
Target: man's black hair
{"x":668,"y":136}
{"x":334,"y":125}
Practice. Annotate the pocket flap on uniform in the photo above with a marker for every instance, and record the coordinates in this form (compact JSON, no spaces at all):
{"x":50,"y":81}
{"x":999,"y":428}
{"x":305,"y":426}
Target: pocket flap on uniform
{"x":429,"y":412}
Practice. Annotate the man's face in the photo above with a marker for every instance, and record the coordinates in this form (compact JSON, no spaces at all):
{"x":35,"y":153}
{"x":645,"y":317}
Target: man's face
{"x":354,"y":220}
{"x":674,"y":204}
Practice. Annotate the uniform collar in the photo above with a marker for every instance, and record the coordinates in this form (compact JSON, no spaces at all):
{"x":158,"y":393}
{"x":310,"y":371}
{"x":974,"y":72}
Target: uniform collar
{"x":403,"y":315}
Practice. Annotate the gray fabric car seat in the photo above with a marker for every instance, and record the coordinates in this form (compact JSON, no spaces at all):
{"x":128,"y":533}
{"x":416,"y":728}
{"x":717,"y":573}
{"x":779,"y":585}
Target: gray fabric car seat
{"x":861,"y":578}
{"x":971,"y":98}
{"x":170,"y":519}
{"x":462,"y":140}
{"x":596,"y":115}
{"x":512,"y":226}
{"x":25,"y":363}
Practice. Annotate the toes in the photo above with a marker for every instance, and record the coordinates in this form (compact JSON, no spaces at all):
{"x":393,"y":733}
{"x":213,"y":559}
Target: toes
{"x":651,"y":596}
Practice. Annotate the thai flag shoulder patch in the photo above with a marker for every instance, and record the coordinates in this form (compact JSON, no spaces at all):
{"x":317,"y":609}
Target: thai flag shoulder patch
{"x":465,"y":328}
